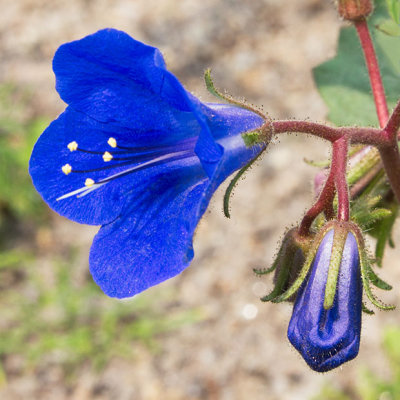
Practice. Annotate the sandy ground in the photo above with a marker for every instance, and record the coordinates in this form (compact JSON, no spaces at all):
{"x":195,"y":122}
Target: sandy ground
{"x":260,"y":49}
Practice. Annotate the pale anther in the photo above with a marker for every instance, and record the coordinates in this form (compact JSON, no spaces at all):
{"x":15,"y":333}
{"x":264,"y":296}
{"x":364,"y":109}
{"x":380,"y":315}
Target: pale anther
{"x":89,"y":182}
{"x":73,"y":146}
{"x":66,"y":169}
{"x":107,"y":156}
{"x":112,"y":142}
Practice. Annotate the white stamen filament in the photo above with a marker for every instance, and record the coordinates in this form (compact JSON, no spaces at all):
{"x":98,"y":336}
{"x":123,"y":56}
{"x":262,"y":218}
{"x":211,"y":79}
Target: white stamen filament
{"x":147,"y":163}
{"x":83,"y":191}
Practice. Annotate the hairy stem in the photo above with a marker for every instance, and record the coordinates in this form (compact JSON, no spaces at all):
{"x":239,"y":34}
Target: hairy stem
{"x":336,"y":179}
{"x":324,"y":202}
{"x":373,"y":71}
{"x":393,"y":124}
{"x":355,"y":135}
{"x":389,"y":150}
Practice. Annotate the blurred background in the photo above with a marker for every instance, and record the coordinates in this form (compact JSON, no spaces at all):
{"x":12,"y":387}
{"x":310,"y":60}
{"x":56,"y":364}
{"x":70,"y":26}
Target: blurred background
{"x":204,"y":334}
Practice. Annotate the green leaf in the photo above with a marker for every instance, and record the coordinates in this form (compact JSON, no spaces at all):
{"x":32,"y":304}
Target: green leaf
{"x":343,"y":81}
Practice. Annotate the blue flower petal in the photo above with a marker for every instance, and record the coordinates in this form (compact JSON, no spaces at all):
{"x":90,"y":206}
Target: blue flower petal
{"x":172,"y":153}
{"x":114,"y":78}
{"x":225,"y":125}
{"x":328,"y":338}
{"x":153,"y":240}
{"x":98,"y":74}
{"x":51,"y":153}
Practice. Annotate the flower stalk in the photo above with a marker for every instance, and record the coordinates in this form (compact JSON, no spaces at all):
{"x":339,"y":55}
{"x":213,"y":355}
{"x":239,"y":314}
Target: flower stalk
{"x":374,"y":73}
{"x":389,"y":150}
{"x":324,"y":202}
{"x":393,"y":124}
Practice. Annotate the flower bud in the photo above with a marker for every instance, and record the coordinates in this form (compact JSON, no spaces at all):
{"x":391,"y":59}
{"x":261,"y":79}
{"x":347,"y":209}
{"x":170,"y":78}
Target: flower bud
{"x":326,"y":321}
{"x":287,"y":265}
{"x":353,"y":10}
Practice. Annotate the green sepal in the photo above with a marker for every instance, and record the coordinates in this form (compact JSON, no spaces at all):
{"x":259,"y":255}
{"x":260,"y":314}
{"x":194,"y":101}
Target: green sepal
{"x":367,"y":219}
{"x":339,"y":240}
{"x":393,"y":7}
{"x":365,"y":164}
{"x":365,"y":276}
{"x":265,"y":271}
{"x":370,"y":210}
{"x":317,"y":164}
{"x":253,"y":138}
{"x":272,"y":268}
{"x":377,"y":187}
{"x":383,"y":233}
{"x":234,"y":182}
{"x":297,"y":283}
{"x":281,"y":279}
{"x":366,"y":310}
{"x":310,"y":254}
{"x":389,"y":27}
{"x":376,"y":281}
{"x":211,"y":87}
{"x":380,"y":213}
{"x":287,"y":263}
{"x":225,"y":97}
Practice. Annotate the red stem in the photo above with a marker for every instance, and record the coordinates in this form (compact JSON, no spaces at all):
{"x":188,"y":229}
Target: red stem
{"x":324,"y":202}
{"x":336,"y":178}
{"x":373,"y":71}
{"x":339,"y":165}
{"x":369,"y":136}
{"x":389,"y":150}
{"x":393,"y":124}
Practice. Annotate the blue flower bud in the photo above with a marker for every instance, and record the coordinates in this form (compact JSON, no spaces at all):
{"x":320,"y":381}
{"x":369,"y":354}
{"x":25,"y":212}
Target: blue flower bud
{"x":328,"y":336}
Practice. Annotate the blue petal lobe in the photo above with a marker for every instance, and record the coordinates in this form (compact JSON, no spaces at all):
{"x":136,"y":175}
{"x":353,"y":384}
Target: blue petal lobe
{"x":106,"y":203}
{"x":99,"y":73}
{"x":328,"y":338}
{"x":114,"y":78}
{"x":153,"y":240}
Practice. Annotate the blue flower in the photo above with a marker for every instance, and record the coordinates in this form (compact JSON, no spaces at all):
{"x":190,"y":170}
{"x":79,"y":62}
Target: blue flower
{"x":135,"y":153}
{"x":328,"y":338}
